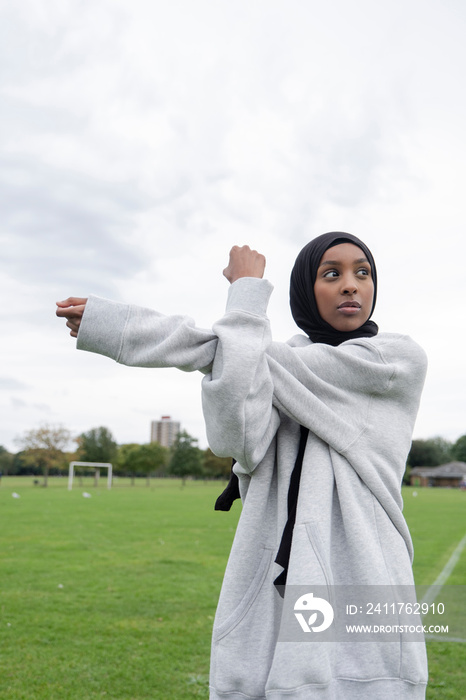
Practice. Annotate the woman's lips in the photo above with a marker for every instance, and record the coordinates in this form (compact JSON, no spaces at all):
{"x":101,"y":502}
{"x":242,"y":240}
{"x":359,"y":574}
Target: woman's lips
{"x":349,"y":308}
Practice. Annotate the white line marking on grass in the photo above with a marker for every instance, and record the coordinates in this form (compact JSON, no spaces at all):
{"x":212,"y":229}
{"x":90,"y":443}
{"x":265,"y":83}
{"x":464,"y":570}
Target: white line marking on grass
{"x":439,"y":638}
{"x":441,"y":579}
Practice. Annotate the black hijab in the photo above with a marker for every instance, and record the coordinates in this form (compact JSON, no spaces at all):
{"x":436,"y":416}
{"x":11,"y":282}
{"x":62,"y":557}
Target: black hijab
{"x":302,"y":300}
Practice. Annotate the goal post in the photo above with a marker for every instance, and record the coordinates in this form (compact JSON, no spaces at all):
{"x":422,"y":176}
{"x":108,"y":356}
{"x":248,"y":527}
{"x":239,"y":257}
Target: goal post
{"x":96,"y":465}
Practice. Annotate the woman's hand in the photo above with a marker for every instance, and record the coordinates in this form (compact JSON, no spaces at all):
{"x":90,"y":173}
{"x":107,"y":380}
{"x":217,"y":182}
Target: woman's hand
{"x":244,"y":262}
{"x":72,"y":309}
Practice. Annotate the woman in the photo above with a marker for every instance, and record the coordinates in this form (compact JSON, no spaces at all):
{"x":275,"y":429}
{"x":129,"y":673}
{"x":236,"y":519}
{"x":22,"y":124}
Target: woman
{"x":320,"y":429}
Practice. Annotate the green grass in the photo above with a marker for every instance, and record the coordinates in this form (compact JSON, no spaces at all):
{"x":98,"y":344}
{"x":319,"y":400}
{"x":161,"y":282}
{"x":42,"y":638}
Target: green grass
{"x":437,"y":521}
{"x":114,"y":596}
{"x":140,"y":570}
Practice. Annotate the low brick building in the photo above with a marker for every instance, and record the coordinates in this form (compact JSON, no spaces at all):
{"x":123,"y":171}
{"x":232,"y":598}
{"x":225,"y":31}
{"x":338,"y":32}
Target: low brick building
{"x":450,"y":475}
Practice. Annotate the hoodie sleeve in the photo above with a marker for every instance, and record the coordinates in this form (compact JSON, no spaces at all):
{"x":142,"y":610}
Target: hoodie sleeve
{"x":141,"y":337}
{"x":241,"y":420}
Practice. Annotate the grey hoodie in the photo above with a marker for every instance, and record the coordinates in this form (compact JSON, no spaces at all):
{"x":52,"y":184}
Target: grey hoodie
{"x":359,"y":401}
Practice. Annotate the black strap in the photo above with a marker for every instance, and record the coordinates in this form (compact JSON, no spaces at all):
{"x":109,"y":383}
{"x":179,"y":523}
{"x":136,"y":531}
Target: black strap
{"x":230,"y":494}
{"x":283,"y":555}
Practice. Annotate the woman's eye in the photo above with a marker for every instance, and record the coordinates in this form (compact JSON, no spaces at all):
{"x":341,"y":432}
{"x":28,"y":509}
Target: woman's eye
{"x":331,"y":273}
{"x":364,"y":272}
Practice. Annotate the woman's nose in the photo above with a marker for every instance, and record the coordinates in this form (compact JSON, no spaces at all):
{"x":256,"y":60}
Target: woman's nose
{"x":349,"y":286}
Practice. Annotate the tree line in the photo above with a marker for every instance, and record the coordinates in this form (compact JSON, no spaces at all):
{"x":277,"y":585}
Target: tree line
{"x":43,"y":453}
{"x":436,"y":451}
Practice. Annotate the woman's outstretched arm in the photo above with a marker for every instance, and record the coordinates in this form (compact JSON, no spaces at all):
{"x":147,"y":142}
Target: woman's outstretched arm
{"x":137,"y":336}
{"x":237,"y":394}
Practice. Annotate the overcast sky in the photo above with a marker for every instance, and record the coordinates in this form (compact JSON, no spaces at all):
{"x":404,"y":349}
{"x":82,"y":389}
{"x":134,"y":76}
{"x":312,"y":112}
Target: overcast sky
{"x":140,"y":140}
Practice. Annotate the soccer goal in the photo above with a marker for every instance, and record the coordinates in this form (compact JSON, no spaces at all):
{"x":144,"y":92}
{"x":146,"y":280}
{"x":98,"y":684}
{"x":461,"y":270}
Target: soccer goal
{"x":92,"y":465}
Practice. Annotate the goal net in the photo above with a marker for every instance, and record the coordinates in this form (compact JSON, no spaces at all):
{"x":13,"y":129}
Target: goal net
{"x":95,"y":466}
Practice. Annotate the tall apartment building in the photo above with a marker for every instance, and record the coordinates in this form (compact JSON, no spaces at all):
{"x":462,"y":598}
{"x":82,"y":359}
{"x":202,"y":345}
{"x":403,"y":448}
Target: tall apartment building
{"x":164,"y":431}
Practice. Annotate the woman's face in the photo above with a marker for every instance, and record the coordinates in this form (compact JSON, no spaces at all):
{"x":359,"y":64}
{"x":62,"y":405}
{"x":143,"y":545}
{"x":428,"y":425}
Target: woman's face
{"x":344,"y":289}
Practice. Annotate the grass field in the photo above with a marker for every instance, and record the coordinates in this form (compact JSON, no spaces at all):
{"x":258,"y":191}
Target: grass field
{"x":113,"y":596}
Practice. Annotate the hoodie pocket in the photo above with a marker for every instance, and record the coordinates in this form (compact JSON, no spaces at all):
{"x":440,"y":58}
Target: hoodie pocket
{"x":249,"y":597}
{"x":243,"y":645}
{"x":315,"y":539}
{"x":309,"y":564}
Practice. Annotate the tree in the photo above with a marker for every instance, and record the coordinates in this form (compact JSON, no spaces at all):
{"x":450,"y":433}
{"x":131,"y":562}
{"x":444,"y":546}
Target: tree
{"x":96,"y":445}
{"x":216,"y":467}
{"x":6,"y":461}
{"x":186,"y":457}
{"x":458,"y":450}
{"x":144,"y":459}
{"x":124,"y":462}
{"x":44,"y":447}
{"x":429,"y":453}
{"x":444,"y":448}
{"x":22,"y":466}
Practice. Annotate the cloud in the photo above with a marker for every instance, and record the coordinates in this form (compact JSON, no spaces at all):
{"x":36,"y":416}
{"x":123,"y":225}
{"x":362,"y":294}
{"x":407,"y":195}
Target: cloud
{"x":11,"y":384}
{"x":17,"y":403}
{"x":61,"y":227}
{"x":138,"y":142}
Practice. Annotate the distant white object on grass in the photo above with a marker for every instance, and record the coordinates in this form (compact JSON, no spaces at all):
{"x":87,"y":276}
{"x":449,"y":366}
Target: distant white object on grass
{"x":86,"y":495}
{"x":60,"y":585}
{"x":15,"y":495}
{"x":414,"y":493}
